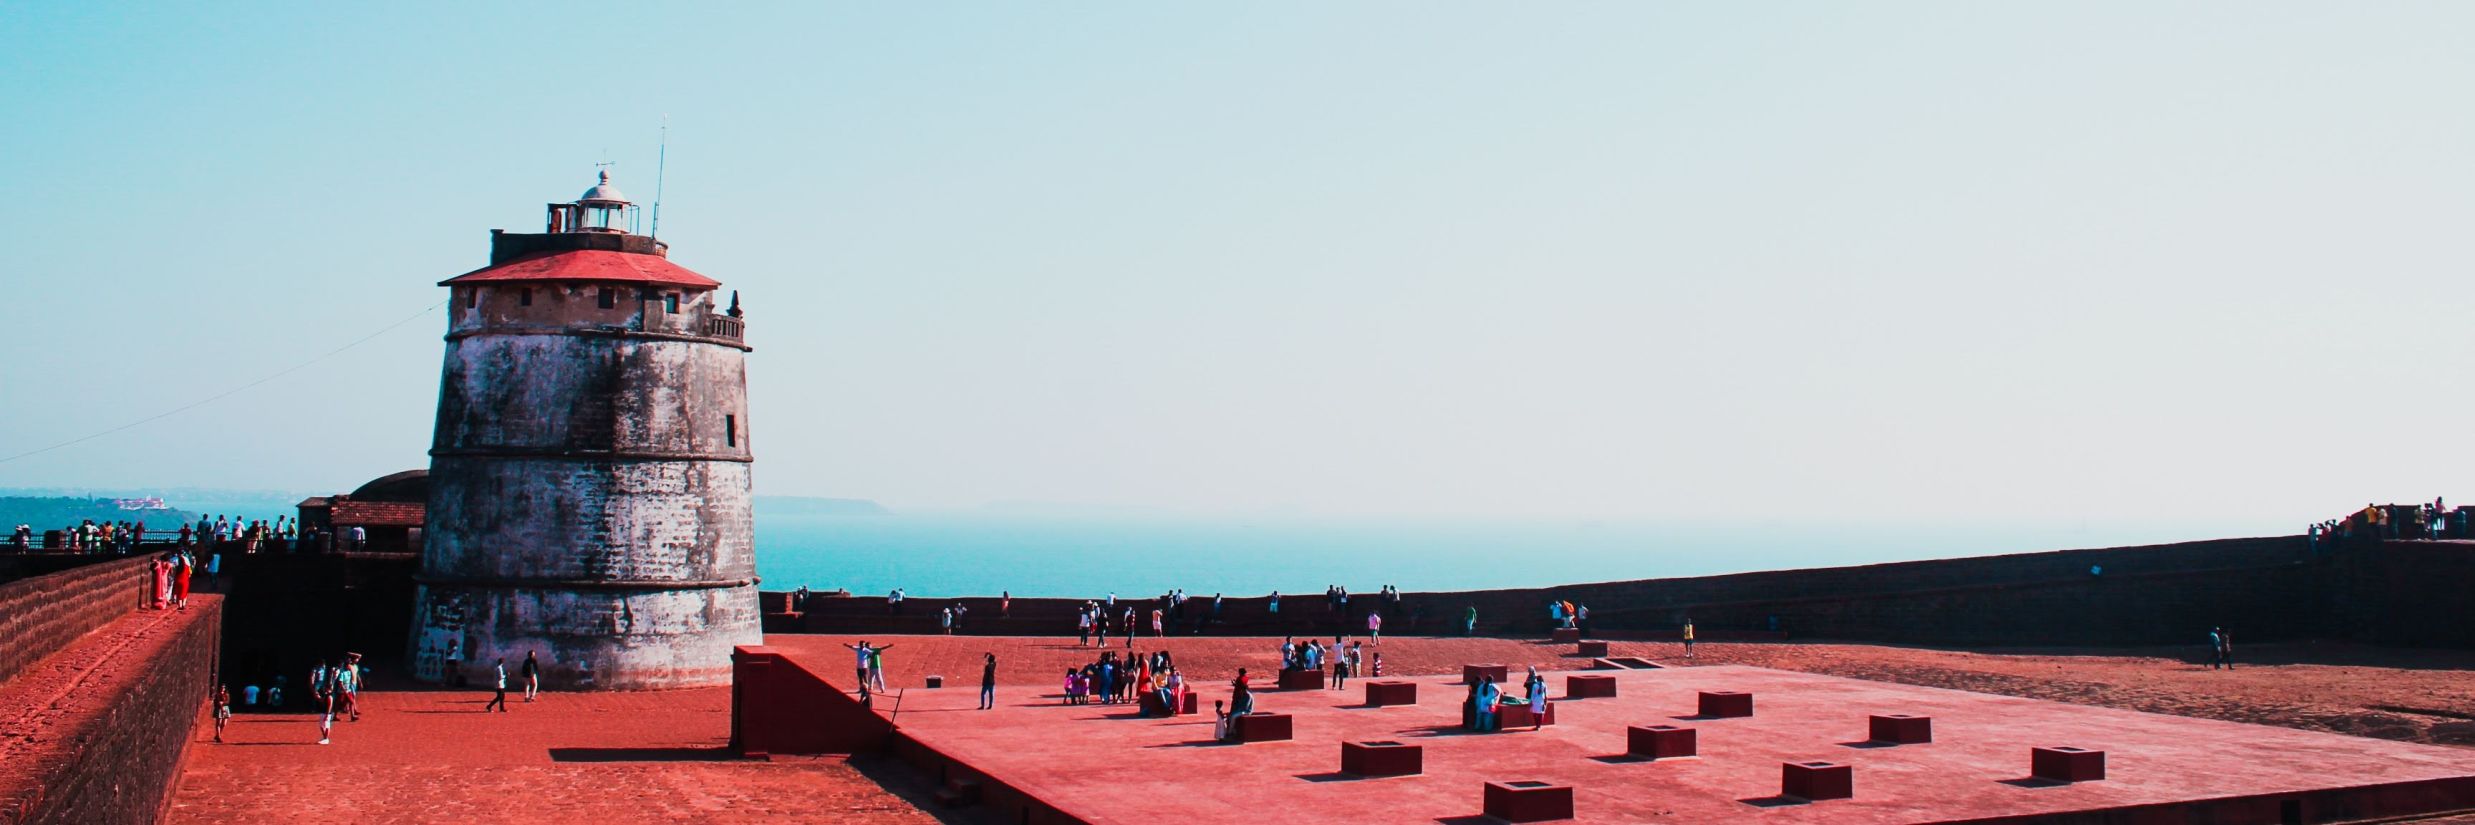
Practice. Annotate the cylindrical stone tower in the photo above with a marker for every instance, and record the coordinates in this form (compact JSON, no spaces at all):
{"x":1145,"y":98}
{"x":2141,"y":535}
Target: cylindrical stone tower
{"x":589,"y":474}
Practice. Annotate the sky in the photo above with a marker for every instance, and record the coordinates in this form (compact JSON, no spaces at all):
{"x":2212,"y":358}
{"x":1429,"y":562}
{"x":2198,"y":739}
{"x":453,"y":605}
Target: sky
{"x":2191,"y":263}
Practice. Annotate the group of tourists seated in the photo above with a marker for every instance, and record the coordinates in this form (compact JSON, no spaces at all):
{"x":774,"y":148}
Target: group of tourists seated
{"x":1344,"y":659}
{"x":1132,"y":679}
{"x":1483,"y":710}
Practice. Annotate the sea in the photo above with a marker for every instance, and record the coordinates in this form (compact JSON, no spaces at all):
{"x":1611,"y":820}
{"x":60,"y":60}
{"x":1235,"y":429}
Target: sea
{"x":982,"y":554}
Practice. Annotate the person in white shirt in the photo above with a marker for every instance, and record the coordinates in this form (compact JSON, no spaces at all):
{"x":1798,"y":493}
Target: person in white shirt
{"x":499,"y":701}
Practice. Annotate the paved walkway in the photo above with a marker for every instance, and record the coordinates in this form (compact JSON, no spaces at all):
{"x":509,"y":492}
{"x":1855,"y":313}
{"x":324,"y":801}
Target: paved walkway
{"x":593,"y":758}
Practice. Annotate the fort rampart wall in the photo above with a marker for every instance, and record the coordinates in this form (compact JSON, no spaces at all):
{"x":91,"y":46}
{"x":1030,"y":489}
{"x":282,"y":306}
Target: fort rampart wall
{"x":43,"y":614}
{"x":2260,"y":589}
{"x":104,"y":718}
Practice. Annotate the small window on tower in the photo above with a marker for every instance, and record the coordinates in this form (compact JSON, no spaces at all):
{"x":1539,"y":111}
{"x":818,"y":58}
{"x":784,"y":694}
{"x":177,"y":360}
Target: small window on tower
{"x":609,"y":298}
{"x":472,"y":297}
{"x":525,"y":297}
{"x":730,"y":430}
{"x":670,"y":302}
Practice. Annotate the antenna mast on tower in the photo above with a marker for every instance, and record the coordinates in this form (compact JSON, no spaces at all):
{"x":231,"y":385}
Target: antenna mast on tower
{"x":661,"y":160}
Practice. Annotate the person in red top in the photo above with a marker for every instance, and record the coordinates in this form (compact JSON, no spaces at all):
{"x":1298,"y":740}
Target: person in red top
{"x":1241,"y":697}
{"x":180,"y":585}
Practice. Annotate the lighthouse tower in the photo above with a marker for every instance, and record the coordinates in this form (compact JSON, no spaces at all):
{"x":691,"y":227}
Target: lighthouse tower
{"x":589,"y":473}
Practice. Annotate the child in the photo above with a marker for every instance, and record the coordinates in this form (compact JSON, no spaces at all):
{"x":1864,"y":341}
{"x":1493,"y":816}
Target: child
{"x":1074,"y":687}
{"x":1220,"y":728}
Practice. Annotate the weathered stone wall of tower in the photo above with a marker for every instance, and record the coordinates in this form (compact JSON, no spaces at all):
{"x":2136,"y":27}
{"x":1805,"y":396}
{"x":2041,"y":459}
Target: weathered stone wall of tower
{"x":589,"y":485}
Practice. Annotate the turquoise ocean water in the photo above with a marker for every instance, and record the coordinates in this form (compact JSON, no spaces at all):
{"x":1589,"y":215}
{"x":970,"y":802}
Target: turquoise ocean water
{"x":978,"y":554}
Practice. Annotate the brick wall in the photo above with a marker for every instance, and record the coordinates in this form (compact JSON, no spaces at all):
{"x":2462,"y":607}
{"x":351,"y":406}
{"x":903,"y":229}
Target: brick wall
{"x":2407,"y":593}
{"x":116,"y":757}
{"x":45,"y":613}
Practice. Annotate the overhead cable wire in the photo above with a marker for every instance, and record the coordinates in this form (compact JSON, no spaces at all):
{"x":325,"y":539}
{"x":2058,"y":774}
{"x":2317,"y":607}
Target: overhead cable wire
{"x":230,"y":392}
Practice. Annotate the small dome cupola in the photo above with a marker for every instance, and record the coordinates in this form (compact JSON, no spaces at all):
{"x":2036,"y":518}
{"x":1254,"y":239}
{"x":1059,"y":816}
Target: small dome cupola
{"x":601,"y":209}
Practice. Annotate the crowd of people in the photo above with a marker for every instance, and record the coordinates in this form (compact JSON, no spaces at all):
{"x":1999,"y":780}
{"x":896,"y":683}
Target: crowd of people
{"x":2433,"y":520}
{"x":207,"y":537}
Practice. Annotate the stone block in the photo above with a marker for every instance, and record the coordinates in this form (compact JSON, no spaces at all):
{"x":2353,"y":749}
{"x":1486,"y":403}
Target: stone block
{"x":1726,"y":704}
{"x":1899,"y":729}
{"x":1579,"y":686}
{"x":1591,"y":649}
{"x":2064,"y":764}
{"x":1518,"y":716}
{"x":1301,"y":680}
{"x":1565,"y":635}
{"x":1529,"y":801}
{"x":1263,"y":727}
{"x":1382,"y":759}
{"x":1471,"y":673}
{"x":1661,"y":741}
{"x":1192,"y":700}
{"x":1817,"y":780}
{"x":1391,"y":693}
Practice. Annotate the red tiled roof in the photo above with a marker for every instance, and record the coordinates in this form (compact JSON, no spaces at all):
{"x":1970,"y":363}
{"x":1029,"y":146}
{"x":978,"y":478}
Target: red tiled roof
{"x":377,"y":514}
{"x":588,"y":265}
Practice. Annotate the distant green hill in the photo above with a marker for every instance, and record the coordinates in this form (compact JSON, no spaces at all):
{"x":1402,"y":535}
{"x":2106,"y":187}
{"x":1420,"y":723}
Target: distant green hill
{"x":54,"y":513}
{"x":810,"y":506}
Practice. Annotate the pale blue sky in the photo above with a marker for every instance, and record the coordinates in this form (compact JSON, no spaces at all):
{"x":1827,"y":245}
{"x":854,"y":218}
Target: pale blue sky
{"x":2202,"y":263}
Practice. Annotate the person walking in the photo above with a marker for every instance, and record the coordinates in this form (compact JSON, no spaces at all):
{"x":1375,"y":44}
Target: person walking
{"x":223,"y":710}
{"x":988,"y":682}
{"x":1375,"y":625}
{"x":532,"y":676}
{"x":1688,"y":637}
{"x":499,"y":701}
{"x":1469,"y":621}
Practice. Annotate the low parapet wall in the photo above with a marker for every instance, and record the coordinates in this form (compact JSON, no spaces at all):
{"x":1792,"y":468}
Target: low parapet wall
{"x":779,"y":706}
{"x":43,"y":614}
{"x":112,"y":717}
{"x":2158,"y":594}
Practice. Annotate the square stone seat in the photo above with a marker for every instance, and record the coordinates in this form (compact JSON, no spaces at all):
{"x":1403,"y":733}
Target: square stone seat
{"x":2066,"y":764}
{"x":1263,"y":727}
{"x":1578,"y":686}
{"x":1565,"y":635}
{"x":1471,"y":673}
{"x":1301,"y":680}
{"x":1591,"y":649}
{"x":1391,"y":693}
{"x":1382,"y":758}
{"x":1817,"y":780}
{"x":1193,"y":700}
{"x":1726,"y":704}
{"x":1529,"y":801}
{"x":1518,"y":716}
{"x":1661,"y":741}
{"x":1154,"y":706}
{"x":1899,"y":729}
